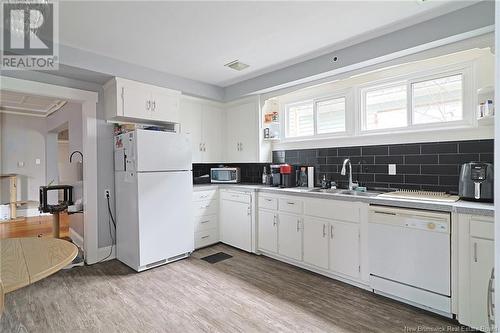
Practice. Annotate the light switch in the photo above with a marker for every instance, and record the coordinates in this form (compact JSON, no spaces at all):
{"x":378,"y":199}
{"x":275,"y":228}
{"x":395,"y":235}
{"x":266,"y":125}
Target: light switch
{"x":20,"y":164}
{"x":38,"y":161}
{"x":392,"y":169}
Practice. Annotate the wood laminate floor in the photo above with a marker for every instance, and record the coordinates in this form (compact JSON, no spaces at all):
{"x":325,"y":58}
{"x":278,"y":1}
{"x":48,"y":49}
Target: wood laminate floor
{"x":35,"y":226}
{"x":246,"y":293}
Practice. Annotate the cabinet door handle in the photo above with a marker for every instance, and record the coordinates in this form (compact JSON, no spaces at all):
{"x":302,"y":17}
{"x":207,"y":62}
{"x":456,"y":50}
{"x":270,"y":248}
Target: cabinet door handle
{"x":200,"y":147}
{"x":324,"y":230}
{"x":298,"y":225}
{"x":204,"y":147}
{"x":205,"y":237}
{"x":385,"y":213}
{"x":204,"y":196}
{"x":475,"y":252}
{"x":274,"y":220}
{"x":290,"y":203}
{"x":269,"y":200}
{"x":249,"y":211}
{"x":154,"y":105}
{"x":148,"y":105}
{"x":206,"y":206}
{"x":331,"y":231}
{"x":205,"y":221}
{"x":490,"y":303}
{"x":241,"y":146}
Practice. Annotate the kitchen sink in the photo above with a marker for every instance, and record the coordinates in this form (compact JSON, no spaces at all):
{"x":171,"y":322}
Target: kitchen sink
{"x":358,"y":193}
{"x":345,"y":192}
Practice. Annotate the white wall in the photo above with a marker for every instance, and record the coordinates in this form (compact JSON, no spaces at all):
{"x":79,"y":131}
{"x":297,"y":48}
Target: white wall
{"x":23,"y":140}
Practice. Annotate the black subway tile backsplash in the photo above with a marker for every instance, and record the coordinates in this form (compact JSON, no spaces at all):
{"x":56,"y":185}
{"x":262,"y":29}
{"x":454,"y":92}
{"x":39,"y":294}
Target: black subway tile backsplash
{"x":426,"y":166}
{"x":432,"y":148}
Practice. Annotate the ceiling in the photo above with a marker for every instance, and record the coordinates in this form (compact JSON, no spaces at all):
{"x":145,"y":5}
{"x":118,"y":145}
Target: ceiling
{"x":195,"y":39}
{"x":16,"y":102}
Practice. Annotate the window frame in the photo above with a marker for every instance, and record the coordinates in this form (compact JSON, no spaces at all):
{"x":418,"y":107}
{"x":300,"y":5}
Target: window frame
{"x":362,"y":110}
{"x":294,"y":104}
{"x":345,"y":94}
{"x":468,"y":96}
{"x":355,"y":96}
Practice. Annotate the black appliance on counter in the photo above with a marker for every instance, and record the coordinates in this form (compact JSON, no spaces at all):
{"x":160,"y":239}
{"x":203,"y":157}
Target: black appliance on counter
{"x":476,"y":182}
{"x":275,"y":175}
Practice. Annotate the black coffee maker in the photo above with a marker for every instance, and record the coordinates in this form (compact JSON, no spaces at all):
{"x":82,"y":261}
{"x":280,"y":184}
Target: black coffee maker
{"x":275,"y":175}
{"x":476,"y":182}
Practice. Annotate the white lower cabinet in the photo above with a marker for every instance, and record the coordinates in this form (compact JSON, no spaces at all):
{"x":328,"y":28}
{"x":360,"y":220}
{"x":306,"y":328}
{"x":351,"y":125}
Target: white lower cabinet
{"x":206,"y":218}
{"x":236,"y":220}
{"x":290,"y":236}
{"x":268,"y":230}
{"x":475,"y":265}
{"x":316,"y":235}
{"x":344,"y":248}
{"x":481,"y":264}
{"x":332,"y":245}
{"x":316,"y":232}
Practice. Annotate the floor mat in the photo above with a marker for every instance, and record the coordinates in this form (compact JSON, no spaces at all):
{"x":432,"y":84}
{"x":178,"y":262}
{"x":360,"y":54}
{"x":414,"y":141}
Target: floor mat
{"x":216,"y":257}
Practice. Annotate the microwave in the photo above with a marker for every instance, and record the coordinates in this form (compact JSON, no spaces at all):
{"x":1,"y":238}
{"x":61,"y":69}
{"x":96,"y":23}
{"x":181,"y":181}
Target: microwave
{"x":225,"y":175}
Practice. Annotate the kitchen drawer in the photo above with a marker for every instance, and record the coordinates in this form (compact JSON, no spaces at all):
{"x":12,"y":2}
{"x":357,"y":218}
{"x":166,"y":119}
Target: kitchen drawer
{"x":205,"y":195}
{"x":268,"y":202}
{"x":206,"y":222}
{"x":205,"y":207}
{"x":206,"y":237}
{"x":290,"y":205}
{"x":236,"y":196}
{"x":482,"y":228}
{"x":331,"y":209}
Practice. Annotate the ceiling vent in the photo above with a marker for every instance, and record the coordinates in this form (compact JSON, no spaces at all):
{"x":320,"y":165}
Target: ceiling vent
{"x":237,"y":65}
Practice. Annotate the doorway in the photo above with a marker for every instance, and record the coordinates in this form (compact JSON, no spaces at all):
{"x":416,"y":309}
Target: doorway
{"x":70,"y":125}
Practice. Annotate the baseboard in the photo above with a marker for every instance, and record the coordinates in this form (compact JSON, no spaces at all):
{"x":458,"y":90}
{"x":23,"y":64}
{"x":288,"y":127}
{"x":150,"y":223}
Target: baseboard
{"x":76,"y":238}
{"x":356,"y":283}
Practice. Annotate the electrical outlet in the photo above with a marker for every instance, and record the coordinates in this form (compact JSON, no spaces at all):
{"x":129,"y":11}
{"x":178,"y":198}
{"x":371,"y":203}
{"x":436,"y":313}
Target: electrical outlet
{"x":392,"y":169}
{"x":107,"y":193}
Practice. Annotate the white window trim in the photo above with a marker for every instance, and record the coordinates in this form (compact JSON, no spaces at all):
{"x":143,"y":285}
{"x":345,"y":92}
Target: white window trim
{"x":362,"y":98}
{"x":348,"y":97}
{"x":290,"y":105}
{"x":355,"y":104}
{"x":469,"y":96}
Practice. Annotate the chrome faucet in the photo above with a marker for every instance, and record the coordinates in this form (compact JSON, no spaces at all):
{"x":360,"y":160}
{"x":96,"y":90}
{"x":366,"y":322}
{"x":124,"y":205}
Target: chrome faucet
{"x":343,"y":173}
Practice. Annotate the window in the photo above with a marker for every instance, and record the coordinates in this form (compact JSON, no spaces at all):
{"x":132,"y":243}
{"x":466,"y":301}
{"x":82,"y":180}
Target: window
{"x":300,"y":120}
{"x":437,"y":100}
{"x":385,"y":107}
{"x":330,"y":116}
{"x":414,"y":102}
{"x":321,"y":116}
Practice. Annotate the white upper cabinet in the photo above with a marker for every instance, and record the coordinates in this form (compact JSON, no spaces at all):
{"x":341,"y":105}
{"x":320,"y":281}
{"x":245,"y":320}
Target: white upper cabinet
{"x":202,"y":121}
{"x":131,"y":101}
{"x":191,"y":123}
{"x":242,"y":132}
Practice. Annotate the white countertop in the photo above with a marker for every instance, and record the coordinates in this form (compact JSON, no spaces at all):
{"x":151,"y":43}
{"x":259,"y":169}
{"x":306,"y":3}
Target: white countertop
{"x":461,"y":206}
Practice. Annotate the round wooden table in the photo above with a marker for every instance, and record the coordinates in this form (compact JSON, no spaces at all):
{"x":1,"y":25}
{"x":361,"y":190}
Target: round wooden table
{"x":26,"y":260}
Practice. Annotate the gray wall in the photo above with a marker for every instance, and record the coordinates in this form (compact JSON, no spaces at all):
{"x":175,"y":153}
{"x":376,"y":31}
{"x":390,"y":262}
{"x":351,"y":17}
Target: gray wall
{"x":105,"y":172}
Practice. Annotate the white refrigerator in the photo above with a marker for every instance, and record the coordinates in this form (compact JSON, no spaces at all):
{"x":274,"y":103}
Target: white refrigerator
{"x":153,"y":187}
